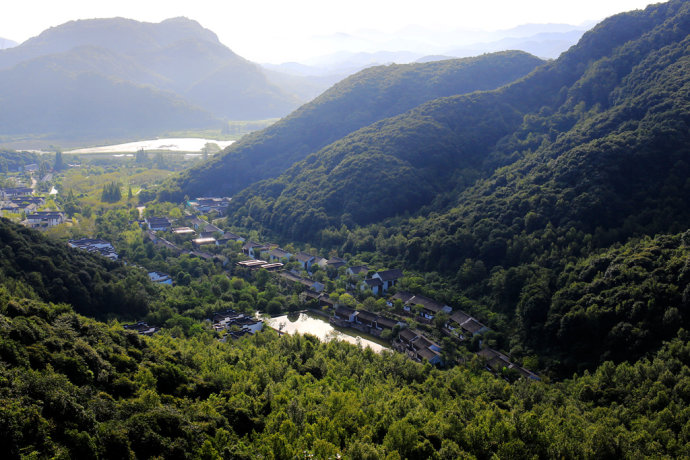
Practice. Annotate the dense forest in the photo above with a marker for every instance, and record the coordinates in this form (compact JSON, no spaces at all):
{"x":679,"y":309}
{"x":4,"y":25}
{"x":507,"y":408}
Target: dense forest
{"x":359,"y":100}
{"x":33,"y":266}
{"x":73,"y":387}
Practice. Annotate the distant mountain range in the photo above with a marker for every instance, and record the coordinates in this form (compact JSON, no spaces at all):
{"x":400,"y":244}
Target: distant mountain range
{"x":117,"y":77}
{"x":5,"y":43}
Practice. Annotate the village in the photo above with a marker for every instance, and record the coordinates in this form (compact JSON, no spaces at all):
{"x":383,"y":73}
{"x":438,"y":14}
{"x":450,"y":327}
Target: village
{"x":293,"y":272}
{"x":309,"y":274}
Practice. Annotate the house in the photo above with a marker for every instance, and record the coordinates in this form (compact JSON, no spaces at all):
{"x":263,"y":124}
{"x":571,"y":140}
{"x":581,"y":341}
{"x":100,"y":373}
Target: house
{"x":210,"y":228}
{"x":202,"y":241}
{"x":253,"y":249}
{"x":386,"y":323}
{"x":345,"y":313}
{"x":366,"y":318}
{"x":278,"y":255}
{"x":407,"y":336}
{"x":430,"y":355}
{"x":389,"y":278}
{"x":160,"y":278}
{"x":44,"y":219}
{"x":429,"y":307}
{"x":305,"y":260}
{"x":335,"y":262}
{"x":403,"y":296}
{"x":423,"y":342}
{"x":375,"y":285}
{"x":161,"y":224}
{"x":227,"y":237}
{"x":466,"y":323}
{"x":183,"y":231}
{"x":227,"y":319}
{"x":357,"y":269}
{"x":198,"y":223}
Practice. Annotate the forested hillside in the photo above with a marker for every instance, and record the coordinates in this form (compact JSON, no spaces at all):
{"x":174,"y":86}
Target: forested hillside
{"x":77,"y":388}
{"x":34,"y":266}
{"x":364,"y":98}
{"x":610,"y":110}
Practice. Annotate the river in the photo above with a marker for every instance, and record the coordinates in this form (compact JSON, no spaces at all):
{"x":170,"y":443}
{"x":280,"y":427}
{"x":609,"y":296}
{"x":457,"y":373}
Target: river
{"x":305,"y":323}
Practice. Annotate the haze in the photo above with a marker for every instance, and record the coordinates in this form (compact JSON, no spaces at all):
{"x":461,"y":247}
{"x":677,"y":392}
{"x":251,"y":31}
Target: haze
{"x":278,"y":31}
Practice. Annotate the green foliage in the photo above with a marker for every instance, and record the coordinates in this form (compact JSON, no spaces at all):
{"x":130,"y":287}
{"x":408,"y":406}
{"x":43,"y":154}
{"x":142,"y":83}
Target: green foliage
{"x":77,"y":387}
{"x":112,"y":192}
{"x":54,"y":272}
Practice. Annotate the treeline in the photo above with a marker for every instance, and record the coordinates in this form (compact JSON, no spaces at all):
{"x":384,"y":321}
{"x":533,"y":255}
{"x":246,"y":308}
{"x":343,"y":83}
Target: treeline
{"x":74,"y":387}
{"x":36,"y":267}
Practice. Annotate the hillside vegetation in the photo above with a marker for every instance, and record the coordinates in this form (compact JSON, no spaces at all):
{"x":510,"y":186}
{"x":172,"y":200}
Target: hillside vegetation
{"x":364,"y":98}
{"x":74,"y":387}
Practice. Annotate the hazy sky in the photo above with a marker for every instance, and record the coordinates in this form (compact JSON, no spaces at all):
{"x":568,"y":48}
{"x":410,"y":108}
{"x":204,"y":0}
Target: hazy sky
{"x":282,"y":30}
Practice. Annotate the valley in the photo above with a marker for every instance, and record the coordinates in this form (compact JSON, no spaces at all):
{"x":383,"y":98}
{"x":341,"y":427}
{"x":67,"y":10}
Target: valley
{"x":482,"y":257}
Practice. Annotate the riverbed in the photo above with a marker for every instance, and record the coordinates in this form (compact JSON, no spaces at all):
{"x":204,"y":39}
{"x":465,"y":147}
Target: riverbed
{"x":306,"y":323}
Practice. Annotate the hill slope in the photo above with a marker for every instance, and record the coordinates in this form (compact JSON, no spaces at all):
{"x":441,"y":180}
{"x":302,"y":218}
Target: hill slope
{"x":622,"y":88}
{"x":358,"y":101}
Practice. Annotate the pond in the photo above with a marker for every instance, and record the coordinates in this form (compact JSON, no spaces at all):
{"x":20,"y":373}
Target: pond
{"x":306,"y":323}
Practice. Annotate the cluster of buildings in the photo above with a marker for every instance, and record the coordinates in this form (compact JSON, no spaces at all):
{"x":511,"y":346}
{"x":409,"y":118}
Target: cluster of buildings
{"x":95,"y":246}
{"x":205,"y":205}
{"x":18,"y":200}
{"x":235,"y":324}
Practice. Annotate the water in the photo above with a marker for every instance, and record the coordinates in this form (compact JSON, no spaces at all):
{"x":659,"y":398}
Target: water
{"x":308,"y":324}
{"x":173,"y":144}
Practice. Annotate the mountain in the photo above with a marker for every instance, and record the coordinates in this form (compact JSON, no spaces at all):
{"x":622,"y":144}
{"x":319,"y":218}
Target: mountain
{"x":5,"y":43}
{"x":166,"y":76}
{"x":359,"y":100}
{"x":521,"y":197}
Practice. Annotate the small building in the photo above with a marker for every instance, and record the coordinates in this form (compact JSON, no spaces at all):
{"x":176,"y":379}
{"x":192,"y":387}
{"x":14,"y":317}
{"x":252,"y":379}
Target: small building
{"x":45,"y":219}
{"x":305,"y":260}
{"x":374,"y":285}
{"x":160,"y":224}
{"x":389,"y":278}
{"x":367,"y":318}
{"x":357,"y":269}
{"x":183,"y":231}
{"x":203,"y":241}
{"x":429,"y":307}
{"x":278,"y":255}
{"x":429,"y":355}
{"x":160,"y":278}
{"x":253,"y":249}
{"x":227,"y":237}
{"x":345,"y":313}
